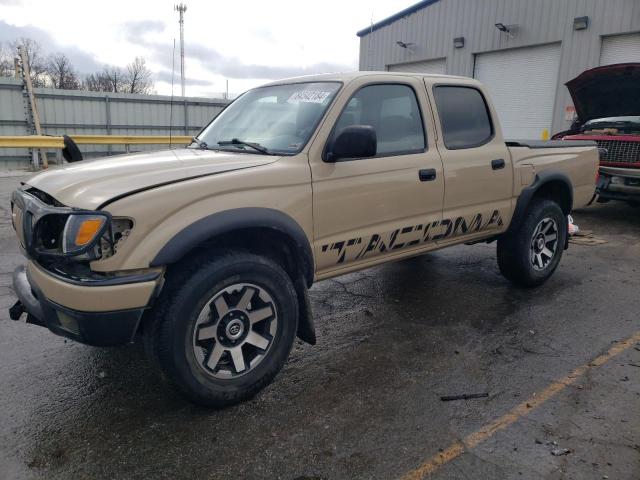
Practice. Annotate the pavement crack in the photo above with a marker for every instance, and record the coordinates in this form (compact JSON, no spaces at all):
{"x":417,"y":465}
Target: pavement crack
{"x":343,"y":287}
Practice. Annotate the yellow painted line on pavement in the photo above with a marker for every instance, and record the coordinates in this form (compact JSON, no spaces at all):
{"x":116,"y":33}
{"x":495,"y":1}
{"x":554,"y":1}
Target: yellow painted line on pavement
{"x":474,"y":439}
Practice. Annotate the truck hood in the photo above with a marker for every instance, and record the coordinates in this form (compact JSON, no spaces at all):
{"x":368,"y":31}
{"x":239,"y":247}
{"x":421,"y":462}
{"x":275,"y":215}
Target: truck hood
{"x":609,"y":91}
{"x":92,"y":183}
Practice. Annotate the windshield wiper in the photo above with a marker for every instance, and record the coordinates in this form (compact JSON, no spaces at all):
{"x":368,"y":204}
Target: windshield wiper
{"x":200,"y":143}
{"x":256,"y":146}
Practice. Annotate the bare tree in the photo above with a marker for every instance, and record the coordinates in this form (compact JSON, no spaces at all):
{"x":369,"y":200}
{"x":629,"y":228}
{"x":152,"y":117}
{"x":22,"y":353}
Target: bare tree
{"x":57,"y":71}
{"x":6,"y":62}
{"x":110,"y":79}
{"x":61,"y":73}
{"x":138,"y":77}
{"x":115,"y":78}
{"x":96,"y":82}
{"x":37,"y":64}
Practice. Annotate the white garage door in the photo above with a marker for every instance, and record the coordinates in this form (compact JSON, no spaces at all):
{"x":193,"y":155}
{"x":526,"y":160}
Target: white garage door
{"x":522,"y":83}
{"x":620,"y":49}
{"x":428,"y":66}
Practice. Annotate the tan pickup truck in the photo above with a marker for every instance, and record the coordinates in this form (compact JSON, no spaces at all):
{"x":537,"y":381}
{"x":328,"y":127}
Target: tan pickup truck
{"x":206,"y":253}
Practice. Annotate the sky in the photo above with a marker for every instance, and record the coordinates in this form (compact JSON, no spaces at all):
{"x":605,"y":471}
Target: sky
{"x":247,"y":42}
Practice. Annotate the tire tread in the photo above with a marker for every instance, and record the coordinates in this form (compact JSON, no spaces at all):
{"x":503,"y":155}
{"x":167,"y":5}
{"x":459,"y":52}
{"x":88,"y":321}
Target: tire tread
{"x":159,"y":335}
{"x":513,"y":247}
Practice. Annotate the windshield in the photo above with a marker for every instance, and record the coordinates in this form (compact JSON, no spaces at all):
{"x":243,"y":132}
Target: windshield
{"x":279,"y":119}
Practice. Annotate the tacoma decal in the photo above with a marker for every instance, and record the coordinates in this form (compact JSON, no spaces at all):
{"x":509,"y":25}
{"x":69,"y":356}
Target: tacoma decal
{"x":361,"y":247}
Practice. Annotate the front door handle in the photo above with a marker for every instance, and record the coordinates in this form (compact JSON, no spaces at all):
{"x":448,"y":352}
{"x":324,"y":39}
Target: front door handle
{"x":497,"y":164}
{"x":427,"y":174}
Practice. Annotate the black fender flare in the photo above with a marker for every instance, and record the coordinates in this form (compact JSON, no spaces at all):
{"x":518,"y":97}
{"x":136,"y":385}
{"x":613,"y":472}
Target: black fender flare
{"x":527,"y":194}
{"x":237,"y":219}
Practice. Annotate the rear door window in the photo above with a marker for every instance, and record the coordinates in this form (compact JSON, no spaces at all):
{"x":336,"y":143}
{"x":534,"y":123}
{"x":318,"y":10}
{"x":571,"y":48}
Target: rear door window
{"x":464,"y":117}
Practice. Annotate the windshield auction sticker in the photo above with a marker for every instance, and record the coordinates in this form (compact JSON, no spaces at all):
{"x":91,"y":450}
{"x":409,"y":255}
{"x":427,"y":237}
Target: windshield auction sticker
{"x":309,"y":96}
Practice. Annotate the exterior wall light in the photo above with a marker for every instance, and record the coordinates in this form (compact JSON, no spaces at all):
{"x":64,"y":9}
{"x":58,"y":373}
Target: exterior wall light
{"x":404,"y":44}
{"x":580,"y":23}
{"x":510,"y":30}
{"x":458,"y":42}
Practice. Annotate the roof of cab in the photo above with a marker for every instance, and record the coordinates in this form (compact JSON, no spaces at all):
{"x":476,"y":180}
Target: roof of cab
{"x":348,"y":76}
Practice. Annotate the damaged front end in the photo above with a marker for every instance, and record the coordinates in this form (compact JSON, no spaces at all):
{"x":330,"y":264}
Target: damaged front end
{"x":57,"y":288}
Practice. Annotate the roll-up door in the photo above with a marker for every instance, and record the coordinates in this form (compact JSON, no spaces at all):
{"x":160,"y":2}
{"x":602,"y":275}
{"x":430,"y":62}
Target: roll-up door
{"x":522,"y":83}
{"x":620,"y":49}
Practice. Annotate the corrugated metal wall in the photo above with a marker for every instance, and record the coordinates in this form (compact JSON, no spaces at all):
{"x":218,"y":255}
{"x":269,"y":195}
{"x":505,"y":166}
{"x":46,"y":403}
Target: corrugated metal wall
{"x":69,"y":111}
{"x":433,"y":28}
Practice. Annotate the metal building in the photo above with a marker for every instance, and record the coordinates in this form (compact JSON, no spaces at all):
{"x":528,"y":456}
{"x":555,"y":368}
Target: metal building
{"x":522,"y":50}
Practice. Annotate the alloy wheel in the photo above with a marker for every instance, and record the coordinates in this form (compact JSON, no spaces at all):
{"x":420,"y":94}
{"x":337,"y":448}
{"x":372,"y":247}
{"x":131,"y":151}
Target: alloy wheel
{"x":544,"y":243}
{"x":235,"y":330}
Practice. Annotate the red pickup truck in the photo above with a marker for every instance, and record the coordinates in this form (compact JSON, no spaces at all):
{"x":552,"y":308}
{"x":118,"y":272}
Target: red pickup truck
{"x":607,"y":102}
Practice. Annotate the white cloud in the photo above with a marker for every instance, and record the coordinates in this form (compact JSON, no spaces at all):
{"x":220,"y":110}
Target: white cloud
{"x":246,"y":42}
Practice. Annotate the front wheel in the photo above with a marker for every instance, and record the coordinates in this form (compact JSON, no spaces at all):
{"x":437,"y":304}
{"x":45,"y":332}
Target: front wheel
{"x":224,"y":327}
{"x":530,"y":255}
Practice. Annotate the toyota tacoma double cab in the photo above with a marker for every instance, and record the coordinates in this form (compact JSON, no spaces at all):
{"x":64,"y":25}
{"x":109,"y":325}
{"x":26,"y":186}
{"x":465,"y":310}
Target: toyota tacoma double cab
{"x":206,"y":253}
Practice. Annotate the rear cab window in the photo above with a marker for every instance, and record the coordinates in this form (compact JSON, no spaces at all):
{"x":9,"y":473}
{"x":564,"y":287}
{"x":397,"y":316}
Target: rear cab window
{"x":464,"y":116}
{"x":393,"y":111}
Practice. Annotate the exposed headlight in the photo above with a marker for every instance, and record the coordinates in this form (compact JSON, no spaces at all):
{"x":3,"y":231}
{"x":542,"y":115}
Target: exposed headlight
{"x":80,"y":236}
{"x":80,"y":231}
{"x":120,"y":231}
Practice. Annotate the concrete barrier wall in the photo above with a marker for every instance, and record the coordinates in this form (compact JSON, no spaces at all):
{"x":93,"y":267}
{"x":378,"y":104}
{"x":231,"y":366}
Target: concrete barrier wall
{"x":100,"y":113}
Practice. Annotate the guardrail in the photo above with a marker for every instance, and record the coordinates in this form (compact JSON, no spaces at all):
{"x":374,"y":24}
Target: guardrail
{"x":46,"y":141}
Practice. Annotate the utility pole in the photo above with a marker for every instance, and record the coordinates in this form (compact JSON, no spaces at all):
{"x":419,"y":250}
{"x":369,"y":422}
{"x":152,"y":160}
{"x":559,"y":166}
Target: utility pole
{"x":181,"y":8}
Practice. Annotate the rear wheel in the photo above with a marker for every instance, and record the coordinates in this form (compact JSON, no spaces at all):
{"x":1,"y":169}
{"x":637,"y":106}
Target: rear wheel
{"x":225,"y":327}
{"x":530,"y":255}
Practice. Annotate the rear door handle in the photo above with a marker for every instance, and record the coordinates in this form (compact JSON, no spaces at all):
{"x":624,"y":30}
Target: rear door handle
{"x":497,"y":164}
{"x":427,"y":174}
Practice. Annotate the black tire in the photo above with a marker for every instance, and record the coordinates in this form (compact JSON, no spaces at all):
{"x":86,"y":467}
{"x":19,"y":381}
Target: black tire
{"x":188,"y":289}
{"x":516,"y":249}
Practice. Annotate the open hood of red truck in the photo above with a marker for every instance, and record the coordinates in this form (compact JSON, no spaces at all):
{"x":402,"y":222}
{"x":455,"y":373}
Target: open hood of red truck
{"x":609,"y":91}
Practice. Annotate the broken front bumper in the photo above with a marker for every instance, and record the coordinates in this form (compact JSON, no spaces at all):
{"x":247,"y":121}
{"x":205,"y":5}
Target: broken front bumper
{"x":98,"y":328}
{"x":619,"y":184}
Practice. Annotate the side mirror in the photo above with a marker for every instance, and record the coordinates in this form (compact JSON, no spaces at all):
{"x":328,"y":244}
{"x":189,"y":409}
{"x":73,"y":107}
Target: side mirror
{"x":71,"y":152}
{"x":355,"y":141}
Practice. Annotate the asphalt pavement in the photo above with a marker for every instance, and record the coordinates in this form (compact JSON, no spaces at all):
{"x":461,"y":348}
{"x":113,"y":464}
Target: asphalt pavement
{"x":560,"y":365}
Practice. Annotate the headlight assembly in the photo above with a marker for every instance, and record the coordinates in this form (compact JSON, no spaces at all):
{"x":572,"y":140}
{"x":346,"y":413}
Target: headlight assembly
{"x":56,"y":234}
{"x":77,"y":236}
{"x":80,"y":237}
